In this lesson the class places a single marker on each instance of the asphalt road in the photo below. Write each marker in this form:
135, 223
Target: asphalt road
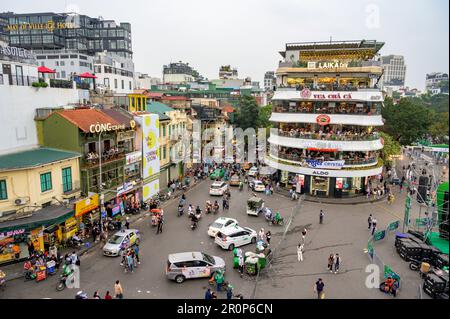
344, 231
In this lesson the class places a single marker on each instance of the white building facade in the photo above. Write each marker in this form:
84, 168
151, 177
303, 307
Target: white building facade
326, 115
114, 72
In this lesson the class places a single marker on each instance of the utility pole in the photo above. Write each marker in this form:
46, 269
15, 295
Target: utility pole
100, 185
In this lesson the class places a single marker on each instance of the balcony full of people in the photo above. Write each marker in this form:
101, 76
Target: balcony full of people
93, 158
328, 133
349, 108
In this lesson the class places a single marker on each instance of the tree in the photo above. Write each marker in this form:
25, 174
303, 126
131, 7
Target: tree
248, 112
439, 129
391, 147
264, 115
406, 121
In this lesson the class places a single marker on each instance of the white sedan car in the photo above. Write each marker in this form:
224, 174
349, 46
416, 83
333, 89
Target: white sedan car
253, 171
219, 224
235, 236
258, 186
218, 188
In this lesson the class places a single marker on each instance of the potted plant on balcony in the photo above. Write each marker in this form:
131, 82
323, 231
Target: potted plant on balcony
40, 84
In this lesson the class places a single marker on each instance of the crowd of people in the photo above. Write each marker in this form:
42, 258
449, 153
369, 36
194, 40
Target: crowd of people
106, 154
327, 133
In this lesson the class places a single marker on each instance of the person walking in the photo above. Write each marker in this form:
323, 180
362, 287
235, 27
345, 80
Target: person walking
261, 234
268, 236
241, 265
96, 296
230, 292
219, 280
374, 226
304, 232
319, 289
208, 294
160, 224
337, 263
300, 252
321, 214
369, 221
136, 253
127, 223
330, 262
118, 290
107, 296
130, 262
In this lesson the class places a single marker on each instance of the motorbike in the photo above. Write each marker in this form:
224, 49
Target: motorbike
73, 243
144, 205
180, 210
208, 209
114, 224
392, 291
62, 283
194, 224
216, 209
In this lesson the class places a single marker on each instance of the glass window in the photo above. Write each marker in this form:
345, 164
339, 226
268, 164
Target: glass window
123, 87
115, 83
46, 182
164, 152
63, 74
3, 190
164, 130
67, 179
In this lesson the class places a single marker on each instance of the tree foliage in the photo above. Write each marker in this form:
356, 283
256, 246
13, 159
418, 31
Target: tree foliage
391, 147
247, 114
264, 115
408, 120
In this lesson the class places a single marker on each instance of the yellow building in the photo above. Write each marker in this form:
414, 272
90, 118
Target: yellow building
35, 189
137, 101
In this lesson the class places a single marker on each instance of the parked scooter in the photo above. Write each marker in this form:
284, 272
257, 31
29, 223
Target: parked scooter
180, 210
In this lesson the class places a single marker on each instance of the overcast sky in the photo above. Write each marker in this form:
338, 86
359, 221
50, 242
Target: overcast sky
249, 33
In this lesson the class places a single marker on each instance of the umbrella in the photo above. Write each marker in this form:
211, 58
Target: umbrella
43, 69
87, 75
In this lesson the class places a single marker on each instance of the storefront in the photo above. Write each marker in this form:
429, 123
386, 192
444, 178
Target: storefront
129, 194
39, 230
86, 211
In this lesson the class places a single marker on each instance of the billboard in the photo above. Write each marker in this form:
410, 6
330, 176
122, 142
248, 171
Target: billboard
150, 155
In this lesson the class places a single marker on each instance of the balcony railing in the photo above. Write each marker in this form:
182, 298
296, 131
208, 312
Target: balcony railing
302, 160
62, 84
330, 137
92, 159
20, 80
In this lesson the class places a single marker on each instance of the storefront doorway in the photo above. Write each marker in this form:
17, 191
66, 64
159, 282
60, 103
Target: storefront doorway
319, 186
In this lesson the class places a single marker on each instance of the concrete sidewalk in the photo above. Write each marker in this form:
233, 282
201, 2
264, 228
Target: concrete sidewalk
15, 271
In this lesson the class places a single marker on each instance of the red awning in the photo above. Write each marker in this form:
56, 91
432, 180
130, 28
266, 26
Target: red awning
43, 69
87, 75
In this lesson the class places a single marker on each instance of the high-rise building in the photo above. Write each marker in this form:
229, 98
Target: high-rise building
394, 70
436, 82
52, 31
326, 110
71, 44
269, 81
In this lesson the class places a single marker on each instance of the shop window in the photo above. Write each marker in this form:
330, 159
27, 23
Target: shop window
46, 182
319, 186
3, 190
67, 179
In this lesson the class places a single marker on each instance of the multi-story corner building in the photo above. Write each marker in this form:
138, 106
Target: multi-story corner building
269, 81
326, 110
179, 72
394, 70
144, 81
226, 72
105, 138
436, 82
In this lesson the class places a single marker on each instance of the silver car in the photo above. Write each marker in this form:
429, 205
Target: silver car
182, 266
120, 241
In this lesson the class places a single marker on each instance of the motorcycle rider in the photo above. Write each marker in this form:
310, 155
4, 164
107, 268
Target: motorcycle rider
216, 207
278, 218
198, 210
180, 210
190, 210
208, 207
194, 220
241, 186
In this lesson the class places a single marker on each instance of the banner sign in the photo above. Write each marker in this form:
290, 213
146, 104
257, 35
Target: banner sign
379, 235
12, 233
393, 226
86, 205
133, 157
325, 164
150, 150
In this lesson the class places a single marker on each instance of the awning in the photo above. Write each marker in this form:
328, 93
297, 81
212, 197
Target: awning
44, 69
51, 215
87, 75
267, 170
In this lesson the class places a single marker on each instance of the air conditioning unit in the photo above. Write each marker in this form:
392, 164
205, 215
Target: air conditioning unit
20, 201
